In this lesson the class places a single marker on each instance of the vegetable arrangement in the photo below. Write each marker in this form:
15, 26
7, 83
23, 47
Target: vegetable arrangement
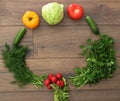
53, 14
100, 54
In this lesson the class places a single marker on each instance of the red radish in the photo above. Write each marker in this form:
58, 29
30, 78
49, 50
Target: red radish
47, 82
61, 83
50, 76
58, 83
54, 79
59, 75
49, 87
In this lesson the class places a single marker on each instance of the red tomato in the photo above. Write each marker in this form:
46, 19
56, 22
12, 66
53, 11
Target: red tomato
75, 11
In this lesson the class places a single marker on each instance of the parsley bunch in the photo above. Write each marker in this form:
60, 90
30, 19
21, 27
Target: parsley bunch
101, 61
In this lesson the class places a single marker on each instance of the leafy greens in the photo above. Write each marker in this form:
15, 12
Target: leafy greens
101, 61
14, 60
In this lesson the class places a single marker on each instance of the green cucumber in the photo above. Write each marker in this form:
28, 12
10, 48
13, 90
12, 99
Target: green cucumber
19, 36
92, 25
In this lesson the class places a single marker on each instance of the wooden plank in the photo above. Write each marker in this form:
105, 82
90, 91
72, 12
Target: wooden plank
59, 41
94, 95
53, 65
49, 65
65, 66
66, 43
7, 35
100, 95
50, 42
104, 12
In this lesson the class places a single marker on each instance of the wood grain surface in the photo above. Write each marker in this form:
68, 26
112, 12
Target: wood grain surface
56, 48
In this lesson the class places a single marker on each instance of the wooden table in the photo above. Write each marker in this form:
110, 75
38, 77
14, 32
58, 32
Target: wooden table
56, 48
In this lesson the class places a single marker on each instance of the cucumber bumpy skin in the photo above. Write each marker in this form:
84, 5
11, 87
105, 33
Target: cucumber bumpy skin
92, 25
19, 36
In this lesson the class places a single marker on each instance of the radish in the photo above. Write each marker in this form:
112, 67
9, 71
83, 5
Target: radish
59, 75
47, 82
54, 79
60, 83
49, 87
50, 76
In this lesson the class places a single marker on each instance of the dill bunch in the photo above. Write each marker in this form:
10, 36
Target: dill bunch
14, 61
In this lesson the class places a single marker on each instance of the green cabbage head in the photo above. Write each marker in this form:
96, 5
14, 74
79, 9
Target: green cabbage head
53, 13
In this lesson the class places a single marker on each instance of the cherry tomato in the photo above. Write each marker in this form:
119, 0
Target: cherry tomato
75, 11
